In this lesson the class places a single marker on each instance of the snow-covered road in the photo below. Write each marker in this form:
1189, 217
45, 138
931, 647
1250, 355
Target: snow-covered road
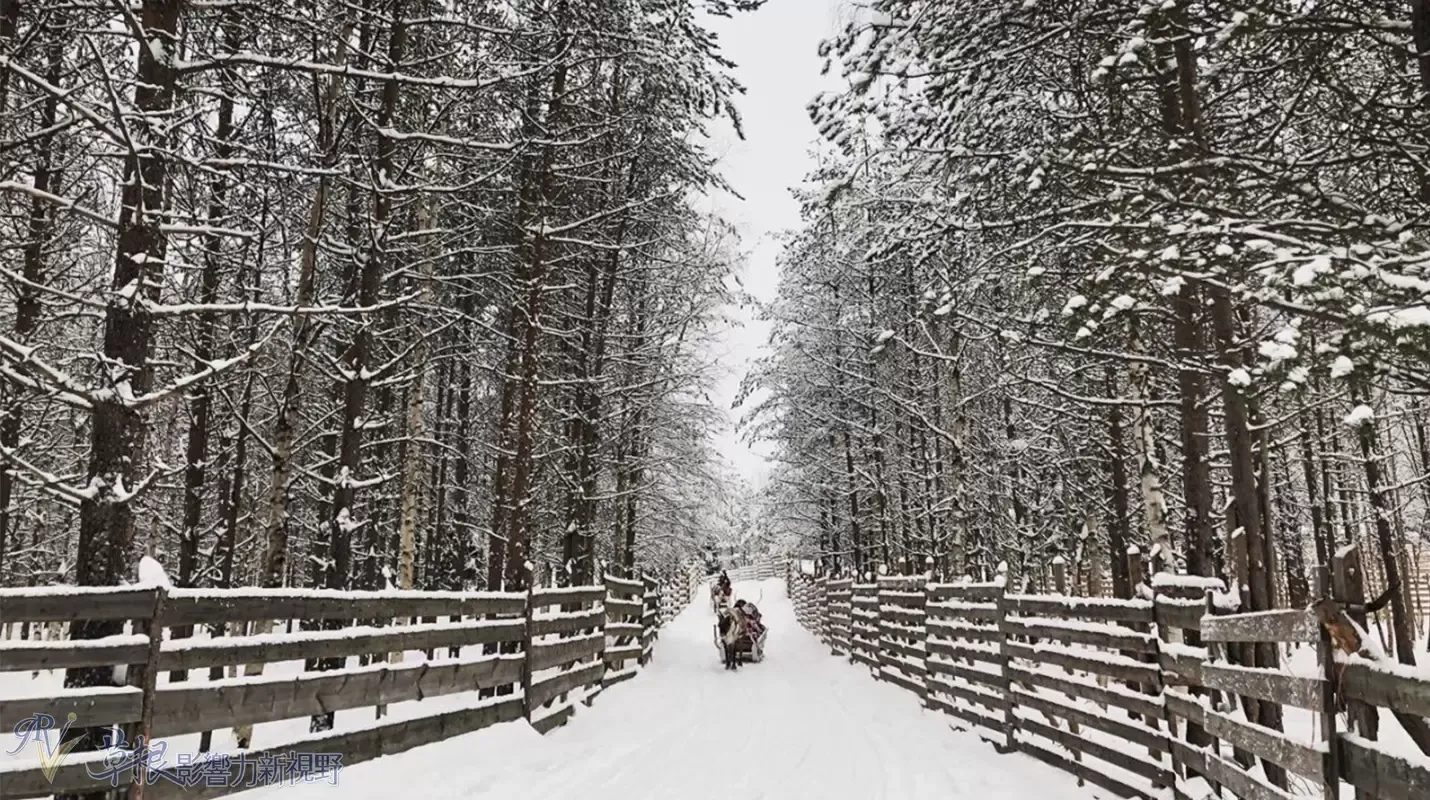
802, 724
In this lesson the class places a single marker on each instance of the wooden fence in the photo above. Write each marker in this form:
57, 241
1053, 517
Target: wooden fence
1114, 692
480, 658
757, 572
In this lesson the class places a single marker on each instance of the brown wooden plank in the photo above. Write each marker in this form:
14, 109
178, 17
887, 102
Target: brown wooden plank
1186, 615
862, 656
595, 618
1133, 641
903, 681
1384, 776
1263, 684
1078, 744
622, 652
1237, 780
553, 720
617, 609
611, 679
551, 688
91, 707
24, 656
1266, 744
1082, 771
952, 649
1090, 608
546, 656
978, 677
901, 581
180, 709
194, 606
986, 613
1141, 704
1360, 682
1293, 625
955, 631
1180, 670
1111, 665
71, 776
969, 715
571, 595
899, 615
1136, 734
623, 587
913, 667
618, 630
987, 699
1185, 706
976, 592
223, 651
902, 652
70, 603
900, 607
356, 747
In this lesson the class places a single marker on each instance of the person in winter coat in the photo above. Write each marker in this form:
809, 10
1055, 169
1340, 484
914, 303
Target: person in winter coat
751, 617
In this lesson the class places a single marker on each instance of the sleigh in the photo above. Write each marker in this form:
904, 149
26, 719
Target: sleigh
748, 648
719, 601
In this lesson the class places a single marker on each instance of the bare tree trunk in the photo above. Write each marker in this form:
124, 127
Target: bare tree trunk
1118, 529
513, 517
196, 451
46, 177
1246, 498
273, 568
412, 466
1154, 503
355, 358
115, 475
1380, 505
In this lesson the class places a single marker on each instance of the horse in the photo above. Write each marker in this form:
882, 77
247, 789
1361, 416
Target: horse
730, 629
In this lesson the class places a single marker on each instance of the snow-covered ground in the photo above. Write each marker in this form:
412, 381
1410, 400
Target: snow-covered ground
802, 724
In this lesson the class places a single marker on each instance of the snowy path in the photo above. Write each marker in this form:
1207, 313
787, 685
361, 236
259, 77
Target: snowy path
802, 724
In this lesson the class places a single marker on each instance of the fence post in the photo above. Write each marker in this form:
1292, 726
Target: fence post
821, 608
526, 645
1060, 585
1348, 589
647, 629
1010, 719
1136, 578
1325, 651
1168, 718
149, 687
928, 581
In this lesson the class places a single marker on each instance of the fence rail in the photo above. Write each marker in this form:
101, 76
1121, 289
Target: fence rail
1141, 695
492, 657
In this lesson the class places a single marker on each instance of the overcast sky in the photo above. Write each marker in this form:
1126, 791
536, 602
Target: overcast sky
776, 50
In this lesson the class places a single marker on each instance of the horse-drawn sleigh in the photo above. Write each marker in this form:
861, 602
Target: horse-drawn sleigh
740, 635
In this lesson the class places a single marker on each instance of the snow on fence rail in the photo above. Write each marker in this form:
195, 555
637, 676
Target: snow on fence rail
475, 659
1145, 695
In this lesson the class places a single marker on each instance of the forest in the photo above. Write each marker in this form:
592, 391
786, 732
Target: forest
354, 295
1078, 279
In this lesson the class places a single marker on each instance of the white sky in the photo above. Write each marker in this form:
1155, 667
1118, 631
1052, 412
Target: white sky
776, 50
